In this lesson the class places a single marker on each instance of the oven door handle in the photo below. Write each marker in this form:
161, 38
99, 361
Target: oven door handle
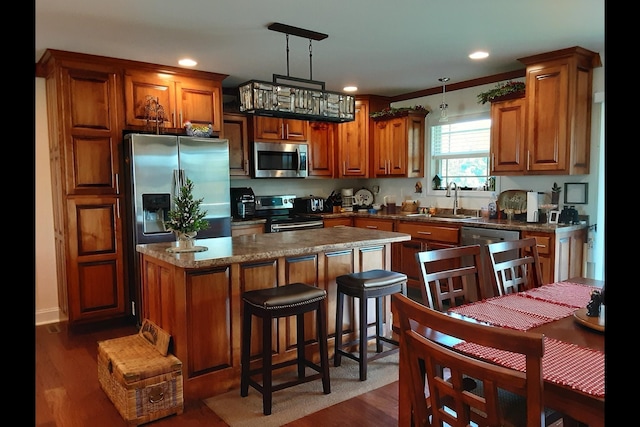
299, 226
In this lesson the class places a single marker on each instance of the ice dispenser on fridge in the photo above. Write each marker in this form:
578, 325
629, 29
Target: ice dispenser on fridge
156, 209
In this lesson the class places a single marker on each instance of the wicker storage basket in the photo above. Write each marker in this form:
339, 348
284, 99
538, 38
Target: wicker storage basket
143, 384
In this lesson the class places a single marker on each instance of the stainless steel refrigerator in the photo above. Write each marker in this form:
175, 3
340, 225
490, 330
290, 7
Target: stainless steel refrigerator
156, 166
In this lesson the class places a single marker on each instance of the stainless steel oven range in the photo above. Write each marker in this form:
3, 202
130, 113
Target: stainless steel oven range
278, 211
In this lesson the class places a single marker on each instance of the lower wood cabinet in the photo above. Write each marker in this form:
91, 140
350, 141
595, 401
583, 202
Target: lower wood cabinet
374, 223
423, 237
560, 253
244, 229
338, 222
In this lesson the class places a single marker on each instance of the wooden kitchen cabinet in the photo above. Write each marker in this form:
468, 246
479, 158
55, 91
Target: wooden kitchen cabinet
276, 129
398, 146
560, 253
508, 154
236, 130
322, 136
373, 223
559, 99
240, 229
423, 237
338, 222
183, 98
85, 140
354, 138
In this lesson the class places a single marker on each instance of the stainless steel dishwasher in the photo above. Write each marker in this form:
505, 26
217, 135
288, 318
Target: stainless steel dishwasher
483, 237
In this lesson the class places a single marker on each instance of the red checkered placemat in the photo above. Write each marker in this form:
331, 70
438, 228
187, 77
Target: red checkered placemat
534, 307
486, 311
563, 363
564, 293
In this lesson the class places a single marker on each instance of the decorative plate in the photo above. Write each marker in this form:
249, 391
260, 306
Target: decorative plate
363, 197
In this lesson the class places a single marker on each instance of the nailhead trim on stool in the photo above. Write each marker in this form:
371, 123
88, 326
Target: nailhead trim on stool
364, 285
294, 299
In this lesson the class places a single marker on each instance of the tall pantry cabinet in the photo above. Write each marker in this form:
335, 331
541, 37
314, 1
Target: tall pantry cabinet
85, 136
87, 115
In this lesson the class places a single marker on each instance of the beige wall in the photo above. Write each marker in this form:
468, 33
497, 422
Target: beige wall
46, 294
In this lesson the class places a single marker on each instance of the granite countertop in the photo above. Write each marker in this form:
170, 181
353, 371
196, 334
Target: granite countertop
498, 224
230, 250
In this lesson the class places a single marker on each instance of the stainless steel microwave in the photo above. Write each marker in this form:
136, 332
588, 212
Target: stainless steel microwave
280, 160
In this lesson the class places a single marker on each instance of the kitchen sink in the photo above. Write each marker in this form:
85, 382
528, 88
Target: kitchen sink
446, 217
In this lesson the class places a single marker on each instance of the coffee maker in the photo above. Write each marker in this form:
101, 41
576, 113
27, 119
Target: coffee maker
243, 203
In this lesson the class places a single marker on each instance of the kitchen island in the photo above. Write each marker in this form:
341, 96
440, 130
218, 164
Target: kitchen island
196, 296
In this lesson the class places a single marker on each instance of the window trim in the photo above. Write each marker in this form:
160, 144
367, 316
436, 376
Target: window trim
431, 163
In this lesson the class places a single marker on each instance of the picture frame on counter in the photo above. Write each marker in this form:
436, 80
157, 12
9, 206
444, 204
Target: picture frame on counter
575, 193
553, 217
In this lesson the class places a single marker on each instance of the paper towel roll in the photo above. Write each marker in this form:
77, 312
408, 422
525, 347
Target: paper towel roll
532, 206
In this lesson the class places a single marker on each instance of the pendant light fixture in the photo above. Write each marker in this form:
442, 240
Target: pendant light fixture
444, 106
306, 99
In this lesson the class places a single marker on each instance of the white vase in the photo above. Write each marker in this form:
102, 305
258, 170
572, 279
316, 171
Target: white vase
186, 240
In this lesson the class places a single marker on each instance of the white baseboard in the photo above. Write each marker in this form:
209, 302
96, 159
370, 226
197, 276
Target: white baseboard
52, 315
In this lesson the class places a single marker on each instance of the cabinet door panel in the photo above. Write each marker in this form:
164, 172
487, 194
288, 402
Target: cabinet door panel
92, 170
199, 103
210, 347
96, 281
353, 144
140, 89
236, 130
321, 149
91, 95
507, 136
547, 118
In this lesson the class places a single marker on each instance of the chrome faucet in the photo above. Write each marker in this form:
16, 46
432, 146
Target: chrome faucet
455, 195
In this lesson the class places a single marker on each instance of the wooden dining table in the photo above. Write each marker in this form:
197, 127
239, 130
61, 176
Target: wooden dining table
582, 406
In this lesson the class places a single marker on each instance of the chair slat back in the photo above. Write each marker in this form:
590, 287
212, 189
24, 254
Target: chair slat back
448, 400
451, 276
515, 264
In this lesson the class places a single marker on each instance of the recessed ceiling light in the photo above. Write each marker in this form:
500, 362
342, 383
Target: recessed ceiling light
186, 62
479, 55
350, 88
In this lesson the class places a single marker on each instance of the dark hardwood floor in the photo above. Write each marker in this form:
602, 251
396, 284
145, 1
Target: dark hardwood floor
68, 394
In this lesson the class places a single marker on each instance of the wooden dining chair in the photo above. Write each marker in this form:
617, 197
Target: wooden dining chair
515, 264
451, 276
504, 396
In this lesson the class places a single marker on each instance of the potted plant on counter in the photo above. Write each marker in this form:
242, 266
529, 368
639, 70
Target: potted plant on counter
186, 218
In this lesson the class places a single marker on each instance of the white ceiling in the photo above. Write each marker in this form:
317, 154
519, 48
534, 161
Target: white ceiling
384, 47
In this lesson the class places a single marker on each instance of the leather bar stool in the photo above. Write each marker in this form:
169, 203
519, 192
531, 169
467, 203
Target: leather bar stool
289, 300
364, 285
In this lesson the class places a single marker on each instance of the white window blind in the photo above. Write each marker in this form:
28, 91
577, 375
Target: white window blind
460, 152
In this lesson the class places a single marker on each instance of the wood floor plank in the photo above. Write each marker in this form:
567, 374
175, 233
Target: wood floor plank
68, 393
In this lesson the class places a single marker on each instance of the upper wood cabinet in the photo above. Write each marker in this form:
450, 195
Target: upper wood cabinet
398, 146
322, 136
559, 99
182, 98
236, 130
276, 129
354, 138
508, 154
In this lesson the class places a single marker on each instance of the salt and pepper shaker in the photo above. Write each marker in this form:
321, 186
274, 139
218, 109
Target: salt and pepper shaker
593, 307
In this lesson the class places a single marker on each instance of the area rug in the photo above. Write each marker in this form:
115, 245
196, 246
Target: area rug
304, 399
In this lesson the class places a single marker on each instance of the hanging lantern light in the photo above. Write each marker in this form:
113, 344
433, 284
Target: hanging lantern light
444, 106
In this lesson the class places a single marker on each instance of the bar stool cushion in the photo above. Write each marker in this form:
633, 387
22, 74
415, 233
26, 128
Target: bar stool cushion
291, 295
371, 279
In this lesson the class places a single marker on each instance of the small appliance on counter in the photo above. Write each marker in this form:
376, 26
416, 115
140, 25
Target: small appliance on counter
311, 204
569, 215
534, 200
243, 203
